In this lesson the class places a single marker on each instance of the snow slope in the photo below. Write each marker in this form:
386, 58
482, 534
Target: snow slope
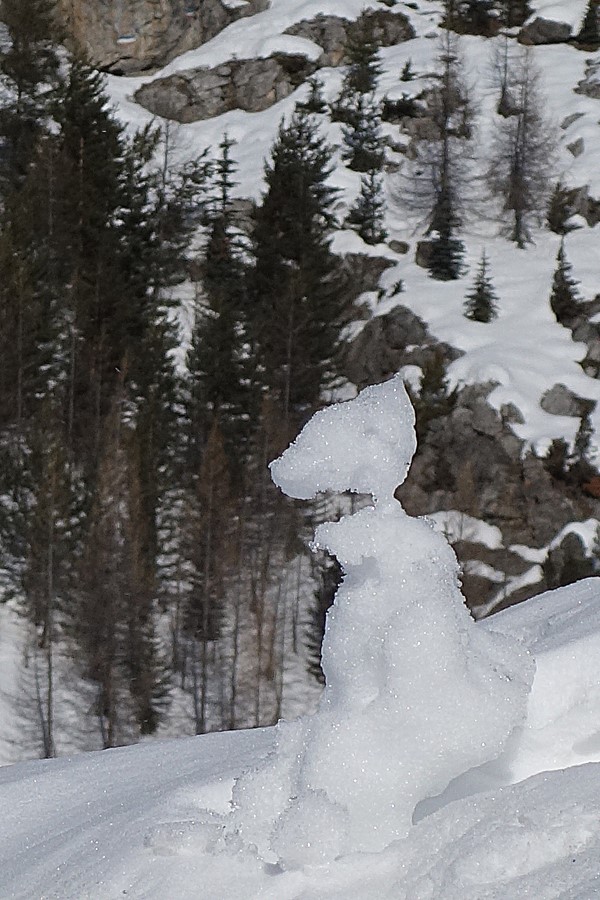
524, 351
129, 822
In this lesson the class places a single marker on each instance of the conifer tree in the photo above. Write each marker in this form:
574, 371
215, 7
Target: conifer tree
438, 172
435, 398
221, 370
29, 70
481, 301
114, 617
50, 560
589, 33
363, 146
366, 216
564, 298
90, 149
557, 459
559, 210
513, 13
315, 102
363, 71
211, 553
362, 52
297, 295
581, 468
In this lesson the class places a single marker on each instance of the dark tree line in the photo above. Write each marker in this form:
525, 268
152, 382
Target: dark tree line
139, 529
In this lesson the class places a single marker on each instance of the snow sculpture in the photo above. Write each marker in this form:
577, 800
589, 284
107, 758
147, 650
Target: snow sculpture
416, 692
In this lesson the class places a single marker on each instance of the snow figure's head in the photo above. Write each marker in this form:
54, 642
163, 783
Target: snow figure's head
364, 445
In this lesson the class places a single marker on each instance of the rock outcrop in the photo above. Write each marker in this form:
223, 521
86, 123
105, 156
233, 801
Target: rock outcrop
331, 32
545, 31
386, 343
122, 36
256, 84
248, 84
470, 460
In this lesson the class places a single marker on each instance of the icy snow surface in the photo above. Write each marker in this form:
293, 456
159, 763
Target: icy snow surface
126, 823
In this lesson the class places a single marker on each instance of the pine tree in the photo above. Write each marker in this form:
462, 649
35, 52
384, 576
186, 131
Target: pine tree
567, 563
297, 295
446, 253
221, 370
50, 558
481, 301
211, 553
362, 73
559, 210
513, 13
557, 459
581, 468
363, 146
366, 215
589, 33
315, 102
470, 16
29, 70
435, 398
407, 73
439, 173
564, 298
114, 619
89, 167
362, 53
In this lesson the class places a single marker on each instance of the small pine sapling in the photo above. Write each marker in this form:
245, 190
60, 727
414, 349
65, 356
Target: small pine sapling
366, 215
363, 146
315, 102
362, 74
559, 210
407, 73
565, 298
481, 301
435, 398
589, 34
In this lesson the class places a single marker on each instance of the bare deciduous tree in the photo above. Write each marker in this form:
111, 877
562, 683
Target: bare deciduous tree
522, 151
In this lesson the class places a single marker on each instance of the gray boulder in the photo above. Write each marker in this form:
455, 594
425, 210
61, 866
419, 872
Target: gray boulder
544, 31
248, 84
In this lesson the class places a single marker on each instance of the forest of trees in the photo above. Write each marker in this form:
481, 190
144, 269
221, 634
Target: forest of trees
140, 535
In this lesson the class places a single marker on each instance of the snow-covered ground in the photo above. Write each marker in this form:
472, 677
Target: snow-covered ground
132, 822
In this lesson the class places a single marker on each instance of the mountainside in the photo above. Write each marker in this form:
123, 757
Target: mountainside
531, 379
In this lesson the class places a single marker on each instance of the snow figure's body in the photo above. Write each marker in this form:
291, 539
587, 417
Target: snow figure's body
415, 693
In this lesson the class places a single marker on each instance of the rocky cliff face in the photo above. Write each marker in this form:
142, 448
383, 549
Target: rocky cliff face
256, 84
470, 461
127, 36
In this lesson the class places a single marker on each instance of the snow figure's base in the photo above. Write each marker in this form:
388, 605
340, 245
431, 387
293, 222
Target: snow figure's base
416, 693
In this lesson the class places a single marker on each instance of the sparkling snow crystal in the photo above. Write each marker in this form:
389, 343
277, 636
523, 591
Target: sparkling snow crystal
416, 692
